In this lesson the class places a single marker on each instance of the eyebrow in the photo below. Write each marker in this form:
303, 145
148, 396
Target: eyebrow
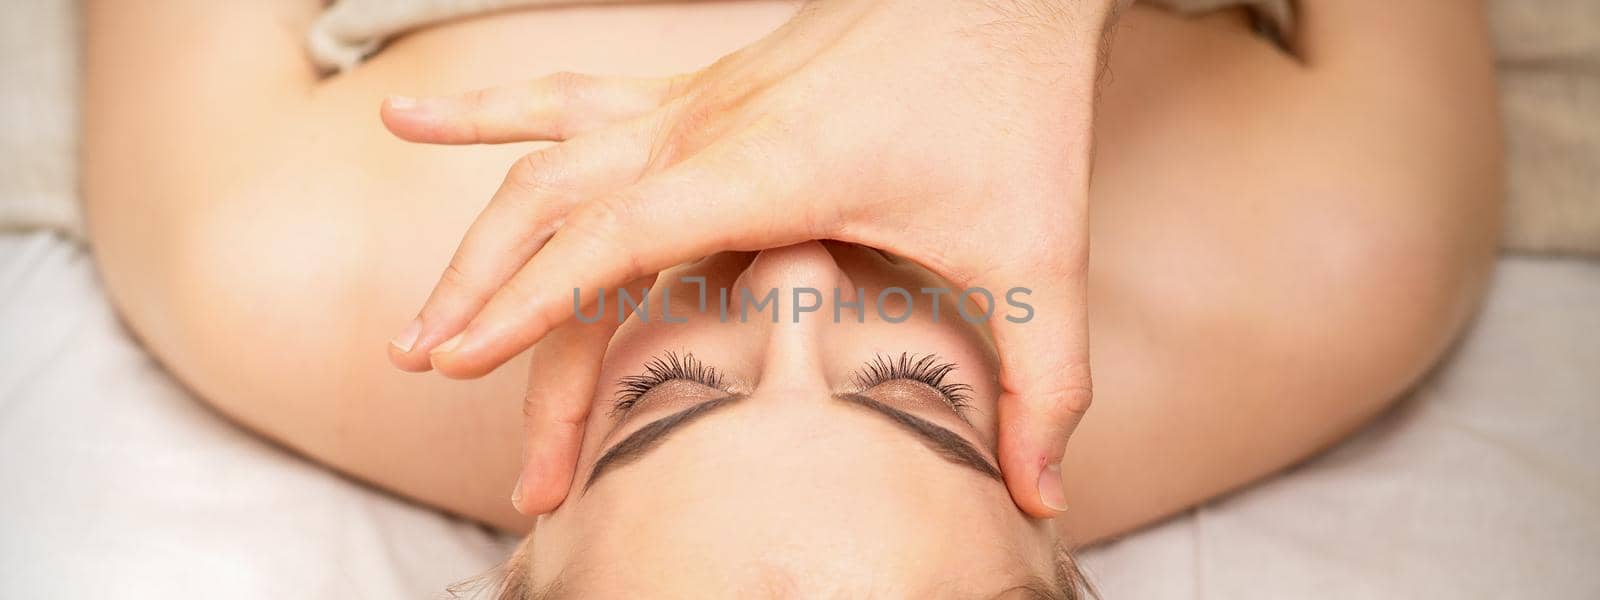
940, 440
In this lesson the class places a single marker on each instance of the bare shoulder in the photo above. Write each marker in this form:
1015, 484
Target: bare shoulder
1284, 240
263, 234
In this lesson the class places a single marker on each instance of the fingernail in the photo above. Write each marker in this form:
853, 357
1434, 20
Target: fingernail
1051, 491
408, 336
449, 345
402, 102
516, 494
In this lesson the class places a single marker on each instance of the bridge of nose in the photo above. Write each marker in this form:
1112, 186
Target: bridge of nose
792, 367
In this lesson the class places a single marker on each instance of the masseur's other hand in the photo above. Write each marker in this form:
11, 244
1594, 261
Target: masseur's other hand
952, 133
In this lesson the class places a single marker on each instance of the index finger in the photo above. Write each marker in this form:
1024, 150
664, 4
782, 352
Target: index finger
714, 201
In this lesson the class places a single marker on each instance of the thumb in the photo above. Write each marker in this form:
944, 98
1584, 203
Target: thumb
1045, 381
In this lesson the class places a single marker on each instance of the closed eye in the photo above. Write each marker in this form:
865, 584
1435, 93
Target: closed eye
669, 366
926, 369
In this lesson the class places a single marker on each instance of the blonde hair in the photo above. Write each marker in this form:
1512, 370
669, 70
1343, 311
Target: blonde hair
512, 580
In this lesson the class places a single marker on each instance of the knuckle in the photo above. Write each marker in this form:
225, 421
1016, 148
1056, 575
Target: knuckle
698, 119
480, 99
455, 276
567, 415
476, 105
540, 173
601, 219
568, 104
690, 128
566, 87
604, 225
546, 405
1060, 389
1064, 404
458, 280
567, 93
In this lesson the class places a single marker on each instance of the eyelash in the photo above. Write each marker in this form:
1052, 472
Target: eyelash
659, 370
926, 369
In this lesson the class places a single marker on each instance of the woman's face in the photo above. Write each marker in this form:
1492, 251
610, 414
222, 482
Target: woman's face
813, 458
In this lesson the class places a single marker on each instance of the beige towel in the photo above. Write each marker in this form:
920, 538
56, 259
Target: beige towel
39, 116
1549, 57
350, 30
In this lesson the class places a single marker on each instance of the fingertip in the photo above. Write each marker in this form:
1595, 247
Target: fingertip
1030, 458
538, 501
547, 476
402, 350
400, 103
454, 366
394, 110
407, 338
1030, 484
517, 495
533, 495
462, 357
410, 362
497, 334
408, 119
1052, 491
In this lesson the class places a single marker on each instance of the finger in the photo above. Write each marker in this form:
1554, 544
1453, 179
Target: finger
538, 192
561, 385
556, 107
1045, 380
730, 197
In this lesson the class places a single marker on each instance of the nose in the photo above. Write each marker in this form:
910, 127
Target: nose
806, 270
799, 285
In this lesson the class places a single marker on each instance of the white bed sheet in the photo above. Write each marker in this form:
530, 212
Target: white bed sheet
114, 482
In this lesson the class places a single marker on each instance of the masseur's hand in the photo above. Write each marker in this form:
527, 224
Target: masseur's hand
953, 133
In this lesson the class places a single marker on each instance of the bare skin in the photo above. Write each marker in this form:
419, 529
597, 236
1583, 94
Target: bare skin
1282, 243
894, 124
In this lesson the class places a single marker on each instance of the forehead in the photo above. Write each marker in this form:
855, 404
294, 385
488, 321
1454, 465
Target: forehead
819, 502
